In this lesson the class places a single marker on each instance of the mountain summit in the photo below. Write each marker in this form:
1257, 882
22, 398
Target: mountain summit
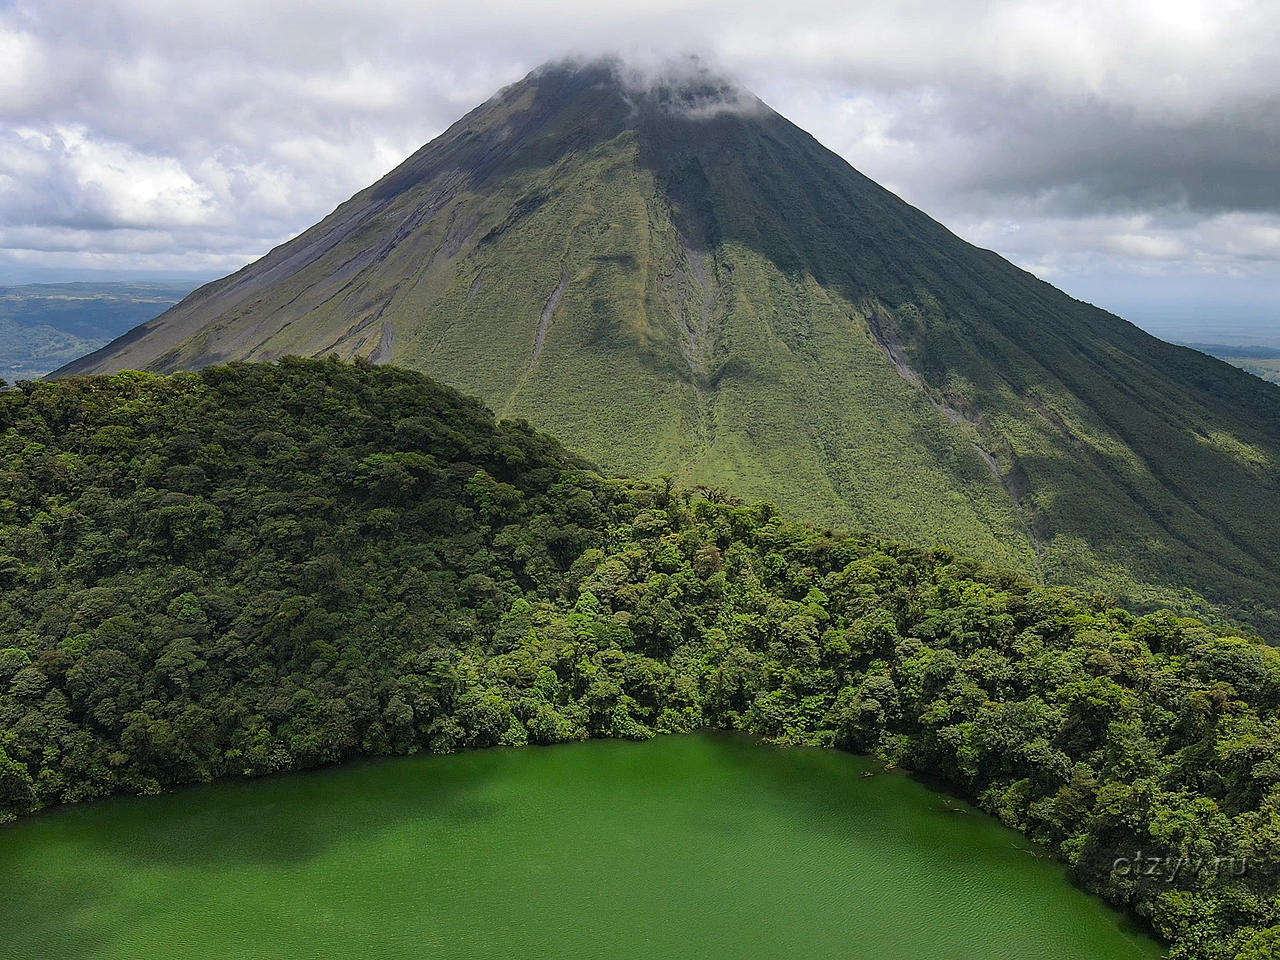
672, 277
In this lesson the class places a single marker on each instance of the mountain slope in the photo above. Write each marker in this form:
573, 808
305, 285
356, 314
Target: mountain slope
674, 278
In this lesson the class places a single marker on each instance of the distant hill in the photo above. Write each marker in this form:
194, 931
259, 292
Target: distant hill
44, 325
675, 279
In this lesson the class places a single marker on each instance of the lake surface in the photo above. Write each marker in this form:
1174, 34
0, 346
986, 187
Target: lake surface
703, 846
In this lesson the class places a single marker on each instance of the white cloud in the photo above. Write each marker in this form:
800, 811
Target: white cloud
1144, 246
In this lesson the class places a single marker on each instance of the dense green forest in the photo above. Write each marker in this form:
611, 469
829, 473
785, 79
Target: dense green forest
260, 568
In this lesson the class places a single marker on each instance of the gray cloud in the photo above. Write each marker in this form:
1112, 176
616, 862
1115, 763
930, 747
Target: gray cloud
1079, 158
1089, 143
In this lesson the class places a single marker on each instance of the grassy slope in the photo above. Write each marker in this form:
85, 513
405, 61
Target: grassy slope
724, 293
810, 414
1139, 465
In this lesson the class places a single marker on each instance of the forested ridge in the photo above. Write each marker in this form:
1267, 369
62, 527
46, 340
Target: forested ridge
259, 568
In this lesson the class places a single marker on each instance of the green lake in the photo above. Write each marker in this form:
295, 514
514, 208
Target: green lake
703, 846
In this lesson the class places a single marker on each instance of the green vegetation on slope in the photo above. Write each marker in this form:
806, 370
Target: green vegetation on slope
676, 283
261, 568
45, 325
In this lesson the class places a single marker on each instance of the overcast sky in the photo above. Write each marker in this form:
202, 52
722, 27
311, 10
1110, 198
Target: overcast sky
1127, 151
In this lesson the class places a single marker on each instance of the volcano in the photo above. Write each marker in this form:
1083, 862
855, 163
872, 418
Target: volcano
674, 279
